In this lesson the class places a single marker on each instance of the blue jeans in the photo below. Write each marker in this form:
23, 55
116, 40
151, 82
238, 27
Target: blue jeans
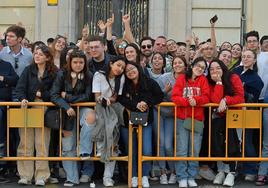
146, 148
166, 138
250, 151
69, 150
263, 168
184, 169
86, 145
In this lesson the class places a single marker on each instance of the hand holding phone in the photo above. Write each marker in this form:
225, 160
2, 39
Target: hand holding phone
213, 19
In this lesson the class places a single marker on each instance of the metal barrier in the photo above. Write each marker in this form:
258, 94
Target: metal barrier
27, 118
237, 116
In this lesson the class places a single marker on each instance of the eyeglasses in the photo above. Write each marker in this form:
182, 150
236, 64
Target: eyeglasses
16, 62
148, 46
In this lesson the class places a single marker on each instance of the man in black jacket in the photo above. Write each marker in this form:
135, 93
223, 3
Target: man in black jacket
8, 79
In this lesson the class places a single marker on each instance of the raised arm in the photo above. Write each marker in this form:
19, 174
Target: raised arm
128, 35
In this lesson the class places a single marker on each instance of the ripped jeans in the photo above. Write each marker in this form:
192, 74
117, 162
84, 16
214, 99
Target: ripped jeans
69, 150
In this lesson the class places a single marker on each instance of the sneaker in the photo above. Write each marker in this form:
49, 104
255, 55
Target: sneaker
53, 180
192, 183
172, 179
145, 181
183, 183
24, 181
84, 156
229, 180
85, 178
207, 174
134, 182
163, 179
68, 184
261, 180
40, 182
108, 182
250, 177
220, 177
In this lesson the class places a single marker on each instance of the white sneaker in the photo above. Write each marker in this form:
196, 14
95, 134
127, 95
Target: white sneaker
207, 174
134, 182
85, 178
172, 179
183, 183
108, 182
192, 183
40, 182
220, 177
229, 180
145, 181
163, 179
250, 177
24, 181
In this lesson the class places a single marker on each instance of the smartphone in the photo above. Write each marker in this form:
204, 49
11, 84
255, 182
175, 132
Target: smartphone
214, 19
104, 102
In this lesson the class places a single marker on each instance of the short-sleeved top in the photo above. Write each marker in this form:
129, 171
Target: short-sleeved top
100, 85
24, 58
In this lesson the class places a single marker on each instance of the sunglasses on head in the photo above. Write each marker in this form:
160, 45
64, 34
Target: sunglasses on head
148, 46
122, 45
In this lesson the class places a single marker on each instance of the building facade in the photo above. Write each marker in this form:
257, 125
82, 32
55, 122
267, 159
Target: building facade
173, 18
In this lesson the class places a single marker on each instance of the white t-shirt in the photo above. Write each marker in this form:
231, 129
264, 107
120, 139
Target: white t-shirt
100, 85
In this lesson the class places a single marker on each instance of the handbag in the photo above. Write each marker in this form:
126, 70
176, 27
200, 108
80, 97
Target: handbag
198, 125
138, 118
52, 118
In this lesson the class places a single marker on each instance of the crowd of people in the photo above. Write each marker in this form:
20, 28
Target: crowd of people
122, 76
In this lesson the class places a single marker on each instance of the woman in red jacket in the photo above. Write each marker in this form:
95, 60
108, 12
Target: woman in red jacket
190, 90
225, 89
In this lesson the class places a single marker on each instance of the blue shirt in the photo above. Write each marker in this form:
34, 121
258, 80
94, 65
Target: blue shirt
23, 58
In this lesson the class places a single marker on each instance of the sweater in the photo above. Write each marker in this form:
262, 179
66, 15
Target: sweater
198, 89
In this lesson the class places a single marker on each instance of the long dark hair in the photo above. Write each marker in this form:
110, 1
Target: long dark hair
141, 80
226, 77
64, 53
133, 45
77, 54
189, 71
107, 71
164, 60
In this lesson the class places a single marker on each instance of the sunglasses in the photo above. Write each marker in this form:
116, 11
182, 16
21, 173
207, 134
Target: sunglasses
148, 46
16, 62
122, 45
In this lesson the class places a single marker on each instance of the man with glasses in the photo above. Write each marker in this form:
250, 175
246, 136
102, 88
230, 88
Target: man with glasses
97, 51
252, 41
146, 45
19, 57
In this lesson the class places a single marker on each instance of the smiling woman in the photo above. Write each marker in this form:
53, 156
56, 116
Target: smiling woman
34, 85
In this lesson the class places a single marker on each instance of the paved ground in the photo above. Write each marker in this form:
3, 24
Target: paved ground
202, 184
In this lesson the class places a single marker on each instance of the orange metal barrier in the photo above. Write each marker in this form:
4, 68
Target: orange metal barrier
237, 116
26, 118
